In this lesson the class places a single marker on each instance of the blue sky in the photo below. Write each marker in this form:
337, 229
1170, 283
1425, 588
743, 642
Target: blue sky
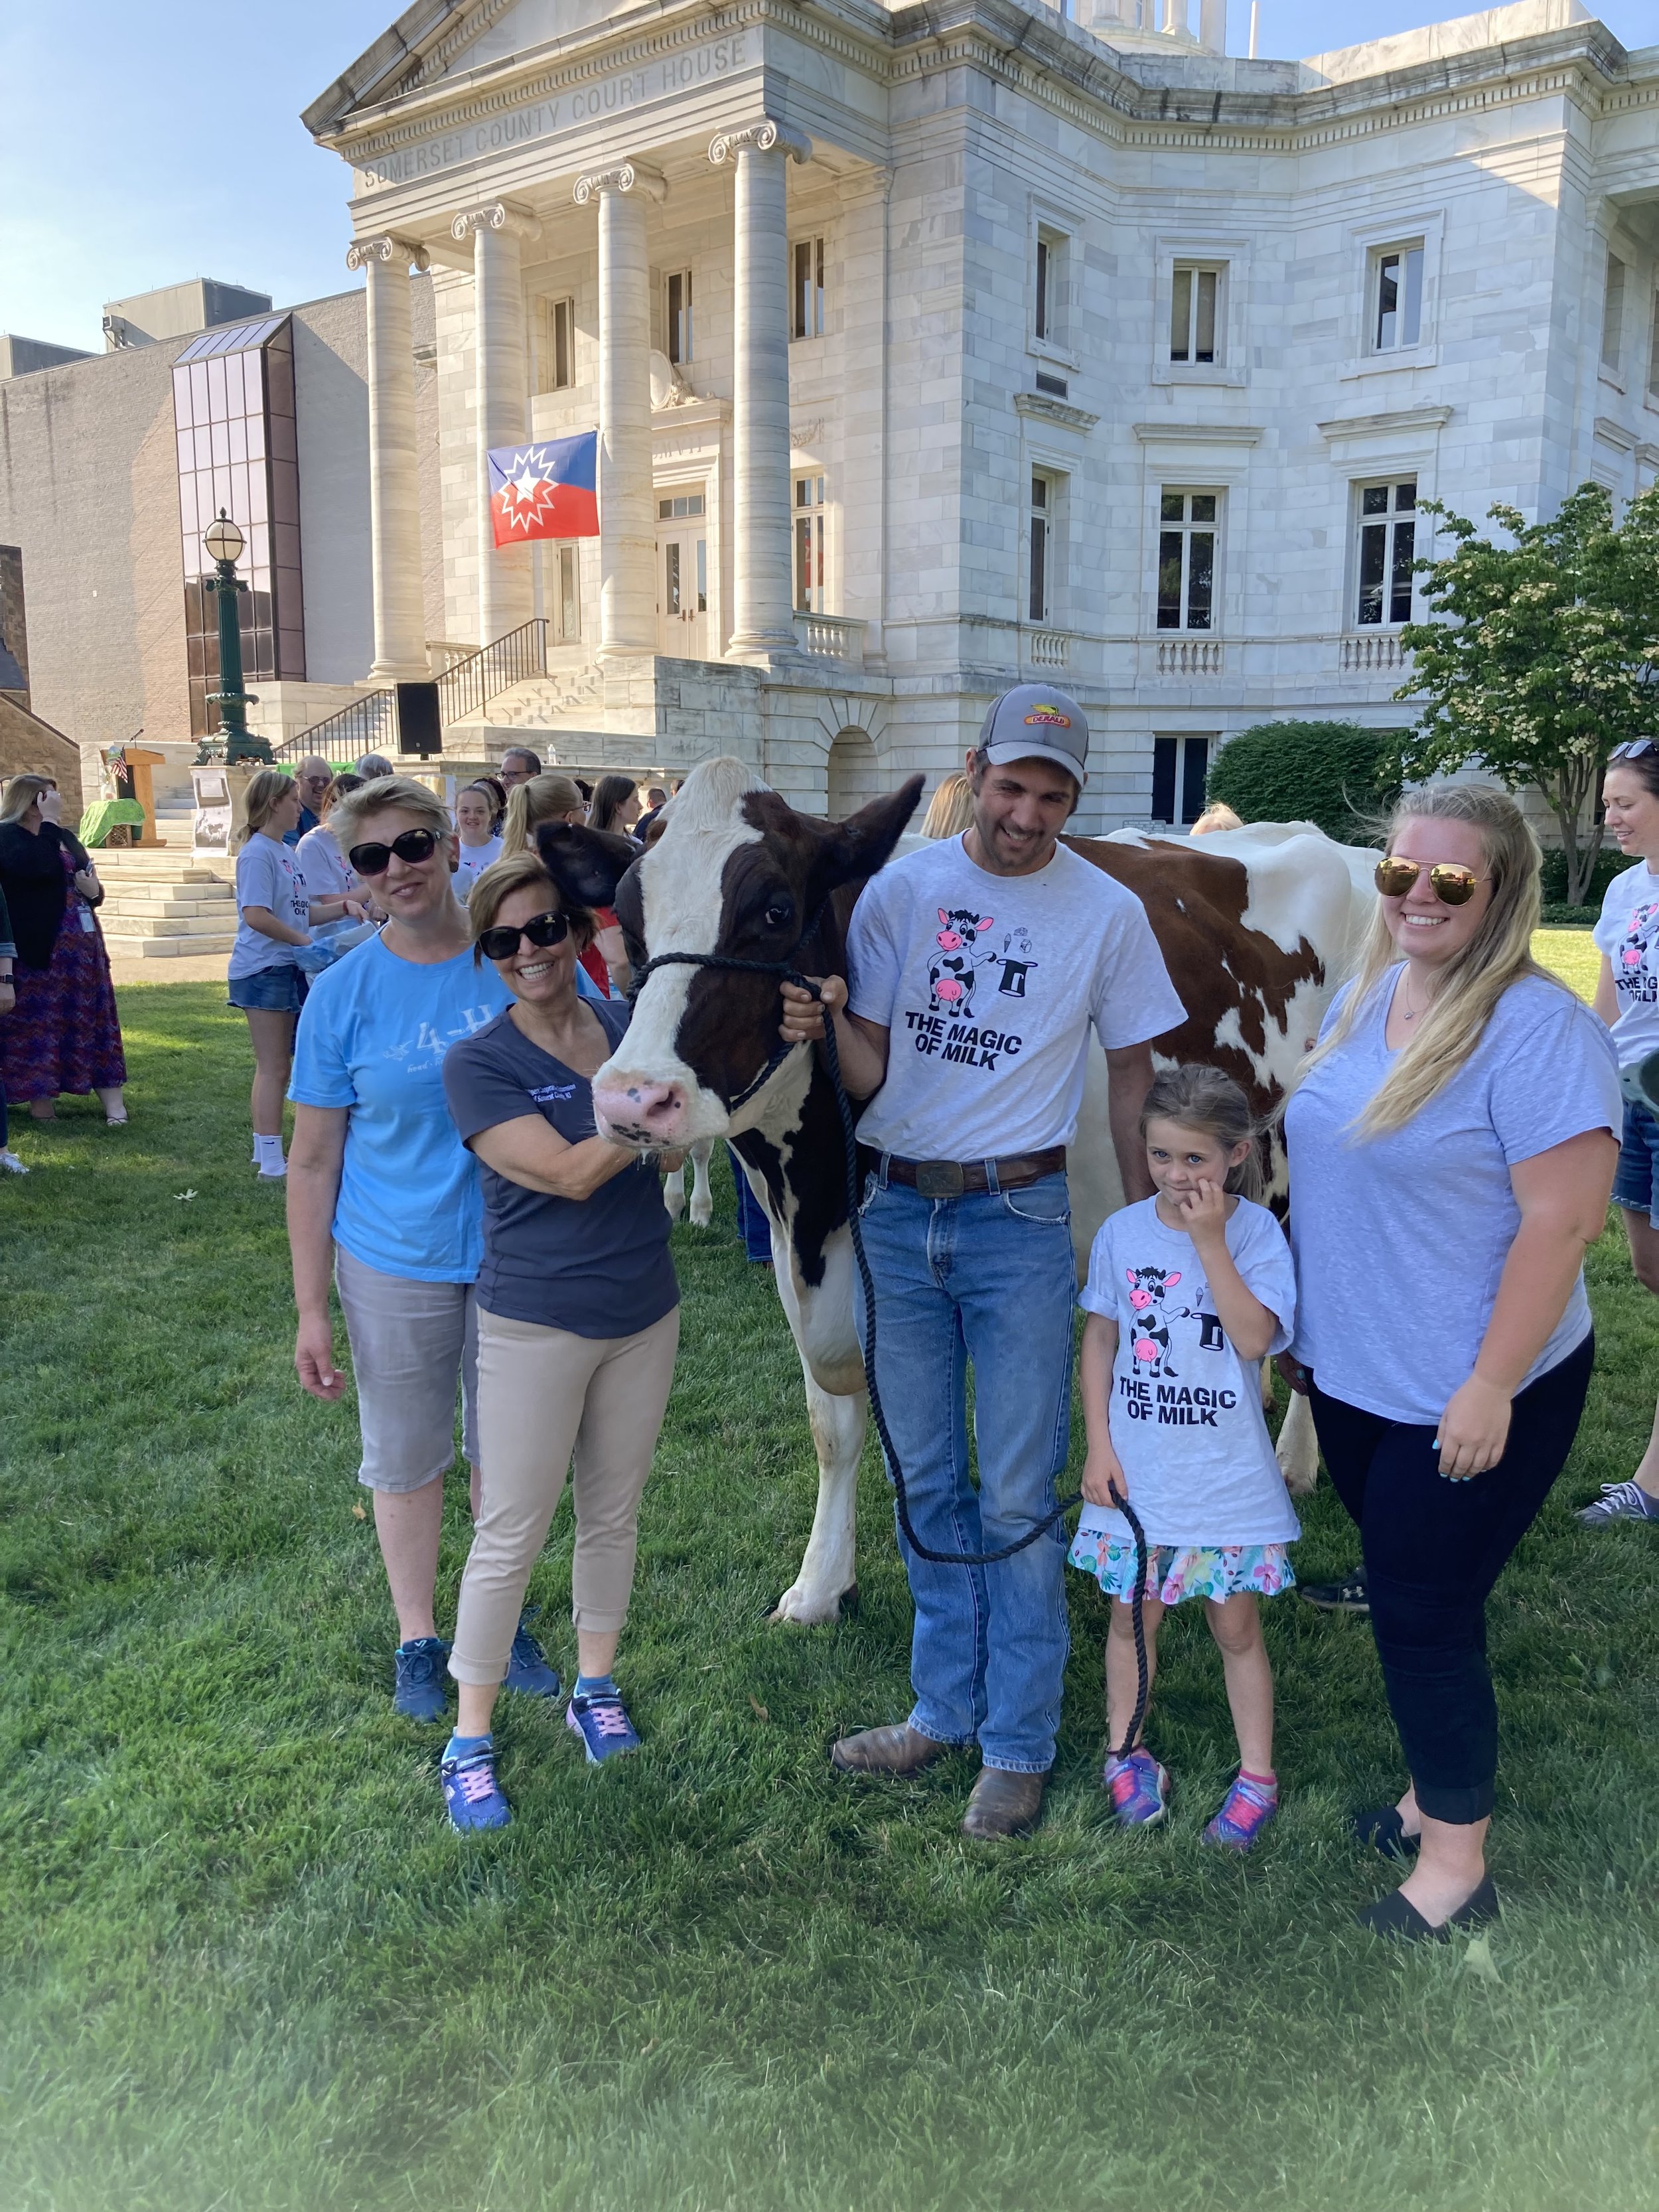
149, 143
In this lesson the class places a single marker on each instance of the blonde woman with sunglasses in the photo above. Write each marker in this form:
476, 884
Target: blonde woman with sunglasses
1452, 1141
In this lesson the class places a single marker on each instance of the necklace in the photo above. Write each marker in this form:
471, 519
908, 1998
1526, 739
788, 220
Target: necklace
1409, 1012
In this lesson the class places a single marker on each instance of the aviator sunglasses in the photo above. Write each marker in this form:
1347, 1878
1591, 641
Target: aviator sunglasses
1633, 749
1451, 884
542, 929
412, 845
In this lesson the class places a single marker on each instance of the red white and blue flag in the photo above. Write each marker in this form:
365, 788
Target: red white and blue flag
545, 490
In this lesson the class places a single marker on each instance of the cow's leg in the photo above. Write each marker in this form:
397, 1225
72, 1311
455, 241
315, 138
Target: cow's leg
828, 1569
673, 1191
703, 1190
1298, 1448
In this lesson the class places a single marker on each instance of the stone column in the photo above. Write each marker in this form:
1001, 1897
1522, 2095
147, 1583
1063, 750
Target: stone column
505, 574
627, 535
394, 491
763, 593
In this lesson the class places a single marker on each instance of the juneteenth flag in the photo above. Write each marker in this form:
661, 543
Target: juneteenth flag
545, 490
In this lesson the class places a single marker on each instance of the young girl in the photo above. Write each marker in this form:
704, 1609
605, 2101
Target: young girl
1186, 1291
480, 843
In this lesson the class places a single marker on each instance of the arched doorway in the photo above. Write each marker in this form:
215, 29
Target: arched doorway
854, 774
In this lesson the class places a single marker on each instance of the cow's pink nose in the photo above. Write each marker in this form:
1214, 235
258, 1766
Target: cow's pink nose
641, 1112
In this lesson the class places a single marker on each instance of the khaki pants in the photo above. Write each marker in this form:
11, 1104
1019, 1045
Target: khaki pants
543, 1393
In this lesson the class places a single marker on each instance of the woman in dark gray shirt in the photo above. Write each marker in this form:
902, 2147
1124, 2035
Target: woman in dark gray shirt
578, 1321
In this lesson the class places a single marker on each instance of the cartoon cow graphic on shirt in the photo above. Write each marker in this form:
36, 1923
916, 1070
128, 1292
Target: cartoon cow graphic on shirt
1150, 1342
952, 966
1635, 974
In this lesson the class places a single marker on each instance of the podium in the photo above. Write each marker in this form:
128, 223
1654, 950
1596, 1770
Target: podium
133, 770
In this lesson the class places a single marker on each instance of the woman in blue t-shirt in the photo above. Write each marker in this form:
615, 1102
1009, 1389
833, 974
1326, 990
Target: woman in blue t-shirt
578, 1321
1452, 1143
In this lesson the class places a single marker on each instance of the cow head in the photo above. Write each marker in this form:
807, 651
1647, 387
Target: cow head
738, 871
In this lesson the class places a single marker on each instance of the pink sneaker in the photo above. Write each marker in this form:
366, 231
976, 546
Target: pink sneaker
1245, 1812
1139, 1790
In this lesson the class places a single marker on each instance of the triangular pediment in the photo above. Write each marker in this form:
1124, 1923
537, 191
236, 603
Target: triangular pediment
439, 38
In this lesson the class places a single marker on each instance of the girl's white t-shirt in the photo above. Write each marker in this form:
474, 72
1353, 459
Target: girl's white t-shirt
1186, 1411
1628, 933
474, 859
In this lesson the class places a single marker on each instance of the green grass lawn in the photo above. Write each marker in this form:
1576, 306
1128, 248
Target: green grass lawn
247, 1965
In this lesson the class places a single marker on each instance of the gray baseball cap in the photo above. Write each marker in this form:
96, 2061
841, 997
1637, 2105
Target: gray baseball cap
1036, 722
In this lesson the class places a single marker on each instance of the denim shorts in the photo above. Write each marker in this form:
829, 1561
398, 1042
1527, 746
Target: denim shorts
1637, 1183
269, 990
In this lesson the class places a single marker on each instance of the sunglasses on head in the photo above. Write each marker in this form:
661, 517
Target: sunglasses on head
1633, 749
412, 845
542, 929
1451, 884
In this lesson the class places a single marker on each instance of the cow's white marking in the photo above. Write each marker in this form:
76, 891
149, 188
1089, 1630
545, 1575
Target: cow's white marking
703, 1191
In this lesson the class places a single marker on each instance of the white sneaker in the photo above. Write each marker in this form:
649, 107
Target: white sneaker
272, 1175
11, 1164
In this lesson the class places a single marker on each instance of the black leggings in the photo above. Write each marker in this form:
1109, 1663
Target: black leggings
1433, 1550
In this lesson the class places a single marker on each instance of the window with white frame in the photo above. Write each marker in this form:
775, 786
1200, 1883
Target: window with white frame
566, 593
676, 317
807, 288
557, 346
1387, 548
1195, 313
1396, 293
1612, 316
1180, 767
1048, 288
811, 546
1187, 523
1043, 525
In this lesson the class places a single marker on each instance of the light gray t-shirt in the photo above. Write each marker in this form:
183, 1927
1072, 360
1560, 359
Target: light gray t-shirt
1186, 1412
989, 985
1628, 933
267, 874
1400, 1240
322, 863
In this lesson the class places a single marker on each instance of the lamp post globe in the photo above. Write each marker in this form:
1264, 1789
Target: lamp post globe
224, 544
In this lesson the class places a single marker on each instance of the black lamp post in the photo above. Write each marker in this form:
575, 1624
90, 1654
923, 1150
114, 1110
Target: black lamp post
225, 543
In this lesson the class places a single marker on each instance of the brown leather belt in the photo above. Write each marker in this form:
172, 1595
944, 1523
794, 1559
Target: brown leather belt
955, 1178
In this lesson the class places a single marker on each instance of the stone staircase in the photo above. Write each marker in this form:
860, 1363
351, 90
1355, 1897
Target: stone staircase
166, 904
565, 698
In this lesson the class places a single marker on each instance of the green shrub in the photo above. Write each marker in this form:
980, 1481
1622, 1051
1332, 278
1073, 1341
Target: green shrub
1609, 863
1331, 773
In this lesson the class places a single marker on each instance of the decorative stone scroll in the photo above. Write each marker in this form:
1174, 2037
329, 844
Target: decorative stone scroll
759, 137
400, 252
494, 215
621, 177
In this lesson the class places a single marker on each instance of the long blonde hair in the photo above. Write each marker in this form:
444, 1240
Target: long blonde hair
1474, 980
952, 808
547, 798
21, 792
265, 792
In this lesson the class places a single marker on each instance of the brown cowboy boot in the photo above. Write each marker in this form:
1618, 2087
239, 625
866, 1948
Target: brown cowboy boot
901, 1750
1004, 1804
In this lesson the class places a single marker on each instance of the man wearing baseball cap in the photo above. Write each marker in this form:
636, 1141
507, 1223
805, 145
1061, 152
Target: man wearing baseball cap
976, 970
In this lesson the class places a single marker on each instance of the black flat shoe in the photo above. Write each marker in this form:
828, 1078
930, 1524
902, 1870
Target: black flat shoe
1397, 1916
1349, 1595
1380, 1829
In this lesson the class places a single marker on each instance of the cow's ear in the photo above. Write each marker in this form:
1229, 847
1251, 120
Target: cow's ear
943, 916
1129, 1277
587, 864
851, 851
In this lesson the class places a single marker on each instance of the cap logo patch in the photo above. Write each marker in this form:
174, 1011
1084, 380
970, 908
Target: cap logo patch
1051, 715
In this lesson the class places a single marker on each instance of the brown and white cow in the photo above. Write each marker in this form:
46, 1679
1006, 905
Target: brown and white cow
1257, 927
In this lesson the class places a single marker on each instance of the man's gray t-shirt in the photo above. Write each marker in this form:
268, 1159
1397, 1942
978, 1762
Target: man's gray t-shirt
988, 986
597, 1267
1400, 1240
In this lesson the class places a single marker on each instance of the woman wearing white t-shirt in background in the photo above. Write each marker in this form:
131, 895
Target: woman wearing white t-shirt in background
479, 845
1627, 999
1452, 1142
274, 914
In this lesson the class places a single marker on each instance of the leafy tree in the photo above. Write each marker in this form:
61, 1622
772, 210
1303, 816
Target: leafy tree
1335, 774
1544, 654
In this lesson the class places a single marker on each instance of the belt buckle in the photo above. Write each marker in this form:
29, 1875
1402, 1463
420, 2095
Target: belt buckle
940, 1179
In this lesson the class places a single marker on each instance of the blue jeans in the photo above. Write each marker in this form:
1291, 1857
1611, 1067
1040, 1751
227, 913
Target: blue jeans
987, 1277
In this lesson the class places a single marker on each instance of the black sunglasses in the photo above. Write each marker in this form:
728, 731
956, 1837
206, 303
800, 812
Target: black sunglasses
1633, 749
411, 845
543, 929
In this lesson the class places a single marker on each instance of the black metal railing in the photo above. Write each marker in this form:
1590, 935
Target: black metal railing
369, 725
472, 682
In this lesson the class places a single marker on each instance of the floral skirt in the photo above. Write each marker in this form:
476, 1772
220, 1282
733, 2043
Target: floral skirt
63, 1034
1175, 1571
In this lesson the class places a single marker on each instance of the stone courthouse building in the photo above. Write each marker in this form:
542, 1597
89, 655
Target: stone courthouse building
932, 347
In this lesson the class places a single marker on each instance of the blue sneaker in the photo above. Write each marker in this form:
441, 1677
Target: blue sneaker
421, 1692
1620, 1501
1139, 1788
527, 1668
472, 1793
603, 1724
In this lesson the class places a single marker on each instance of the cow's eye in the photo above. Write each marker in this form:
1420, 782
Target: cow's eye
779, 914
